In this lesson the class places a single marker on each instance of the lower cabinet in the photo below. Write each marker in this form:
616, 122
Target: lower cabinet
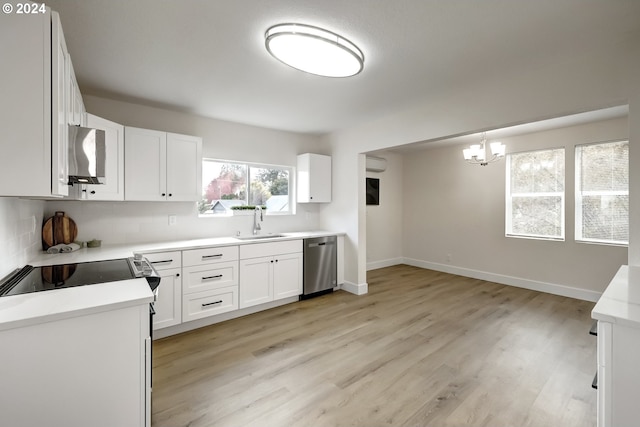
168, 304
91, 370
198, 283
618, 374
209, 303
210, 283
268, 278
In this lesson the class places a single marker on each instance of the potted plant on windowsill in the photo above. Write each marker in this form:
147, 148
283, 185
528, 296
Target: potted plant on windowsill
245, 210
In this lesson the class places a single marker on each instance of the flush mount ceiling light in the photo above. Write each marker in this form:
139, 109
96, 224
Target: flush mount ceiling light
314, 50
477, 154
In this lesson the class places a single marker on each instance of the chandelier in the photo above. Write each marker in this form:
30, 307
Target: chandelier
477, 153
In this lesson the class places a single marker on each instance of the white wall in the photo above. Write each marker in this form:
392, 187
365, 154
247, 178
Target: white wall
603, 78
20, 232
384, 221
454, 218
125, 222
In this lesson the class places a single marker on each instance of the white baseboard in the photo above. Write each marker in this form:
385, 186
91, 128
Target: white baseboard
550, 288
384, 263
357, 289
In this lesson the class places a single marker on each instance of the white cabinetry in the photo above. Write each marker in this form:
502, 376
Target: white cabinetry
90, 370
270, 271
113, 188
210, 284
618, 315
314, 178
168, 306
33, 112
162, 166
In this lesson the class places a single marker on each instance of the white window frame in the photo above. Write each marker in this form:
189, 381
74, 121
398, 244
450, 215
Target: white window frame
509, 205
249, 165
579, 194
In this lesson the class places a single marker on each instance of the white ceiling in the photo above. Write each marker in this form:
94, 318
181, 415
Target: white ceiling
208, 57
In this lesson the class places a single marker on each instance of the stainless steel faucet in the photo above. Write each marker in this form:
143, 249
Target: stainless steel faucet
256, 224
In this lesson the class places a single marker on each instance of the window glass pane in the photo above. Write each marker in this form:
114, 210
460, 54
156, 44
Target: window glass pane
270, 188
535, 194
605, 166
537, 216
605, 218
228, 184
537, 171
602, 192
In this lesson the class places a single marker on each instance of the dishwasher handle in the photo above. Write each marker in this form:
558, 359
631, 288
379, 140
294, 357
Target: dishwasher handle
315, 245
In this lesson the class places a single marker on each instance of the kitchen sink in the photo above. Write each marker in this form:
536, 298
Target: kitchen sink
260, 237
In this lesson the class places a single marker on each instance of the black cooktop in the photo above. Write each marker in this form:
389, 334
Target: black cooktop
35, 279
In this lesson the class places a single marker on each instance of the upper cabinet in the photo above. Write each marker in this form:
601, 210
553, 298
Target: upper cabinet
113, 188
36, 106
162, 166
314, 178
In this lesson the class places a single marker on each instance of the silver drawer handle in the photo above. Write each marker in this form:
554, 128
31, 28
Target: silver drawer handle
162, 262
211, 303
211, 256
217, 276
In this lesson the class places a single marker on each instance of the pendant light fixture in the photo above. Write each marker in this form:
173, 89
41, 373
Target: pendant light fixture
477, 153
314, 50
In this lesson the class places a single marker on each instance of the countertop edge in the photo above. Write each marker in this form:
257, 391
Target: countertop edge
23, 310
620, 302
126, 250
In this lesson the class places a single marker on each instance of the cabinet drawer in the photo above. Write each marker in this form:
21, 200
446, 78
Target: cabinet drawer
210, 255
209, 303
165, 260
207, 277
256, 250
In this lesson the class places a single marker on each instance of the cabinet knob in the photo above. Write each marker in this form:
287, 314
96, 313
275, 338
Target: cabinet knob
271, 261
93, 191
170, 194
164, 194
177, 274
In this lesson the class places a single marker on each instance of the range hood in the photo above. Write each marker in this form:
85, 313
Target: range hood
87, 155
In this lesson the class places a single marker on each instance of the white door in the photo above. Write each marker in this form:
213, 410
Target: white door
255, 281
145, 156
113, 189
168, 306
287, 276
184, 168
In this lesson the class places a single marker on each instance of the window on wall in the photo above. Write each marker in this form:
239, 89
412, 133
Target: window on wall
535, 194
602, 192
228, 184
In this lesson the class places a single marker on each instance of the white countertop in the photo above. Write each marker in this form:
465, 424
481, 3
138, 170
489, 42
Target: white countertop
38, 307
122, 251
47, 306
620, 302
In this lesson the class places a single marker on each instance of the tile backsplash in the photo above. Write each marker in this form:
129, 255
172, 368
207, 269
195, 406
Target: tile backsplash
20, 232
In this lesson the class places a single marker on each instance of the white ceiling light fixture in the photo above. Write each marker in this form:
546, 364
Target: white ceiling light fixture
314, 50
477, 154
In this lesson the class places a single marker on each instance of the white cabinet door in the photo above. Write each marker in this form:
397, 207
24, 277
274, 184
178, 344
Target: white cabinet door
145, 157
255, 281
76, 104
168, 306
60, 85
184, 168
113, 189
314, 178
287, 276
161, 166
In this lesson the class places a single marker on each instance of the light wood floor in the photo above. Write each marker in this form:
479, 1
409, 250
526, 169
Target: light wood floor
423, 348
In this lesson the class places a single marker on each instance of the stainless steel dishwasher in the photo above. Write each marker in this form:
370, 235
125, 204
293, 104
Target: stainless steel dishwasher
320, 266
